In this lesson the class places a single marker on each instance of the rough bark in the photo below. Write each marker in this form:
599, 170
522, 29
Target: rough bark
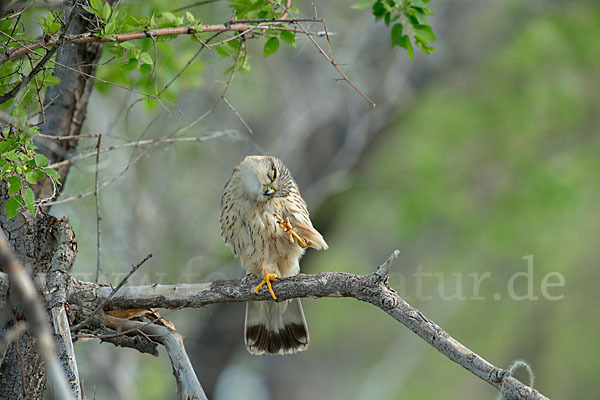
66, 103
32, 240
60, 268
24, 296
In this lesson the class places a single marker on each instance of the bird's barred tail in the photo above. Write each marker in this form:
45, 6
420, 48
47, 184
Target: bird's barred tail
275, 328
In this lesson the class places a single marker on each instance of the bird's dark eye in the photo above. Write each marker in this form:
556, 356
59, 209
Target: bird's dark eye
272, 174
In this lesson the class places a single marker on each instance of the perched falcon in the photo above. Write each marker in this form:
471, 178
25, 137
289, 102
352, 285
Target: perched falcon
266, 223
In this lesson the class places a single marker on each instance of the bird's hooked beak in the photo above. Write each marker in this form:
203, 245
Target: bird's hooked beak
269, 191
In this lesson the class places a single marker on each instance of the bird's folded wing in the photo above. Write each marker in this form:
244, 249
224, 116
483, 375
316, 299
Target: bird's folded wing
304, 228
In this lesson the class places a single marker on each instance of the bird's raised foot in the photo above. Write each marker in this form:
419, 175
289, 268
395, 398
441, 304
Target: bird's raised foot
287, 227
267, 280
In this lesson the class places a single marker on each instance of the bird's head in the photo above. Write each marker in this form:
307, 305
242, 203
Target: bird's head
263, 178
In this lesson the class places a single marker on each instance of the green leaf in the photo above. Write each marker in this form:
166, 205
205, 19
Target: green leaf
127, 45
96, 6
425, 33
235, 43
246, 67
190, 17
387, 18
145, 68
11, 155
12, 207
418, 3
131, 65
30, 200
363, 4
420, 17
39, 174
405, 43
110, 28
52, 172
223, 50
106, 11
20, 114
41, 160
271, 46
378, 10
396, 34
169, 16
288, 37
145, 58
293, 10
51, 80
30, 177
15, 184
88, 9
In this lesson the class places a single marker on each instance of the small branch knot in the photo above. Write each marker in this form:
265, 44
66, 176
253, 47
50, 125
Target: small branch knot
499, 374
389, 302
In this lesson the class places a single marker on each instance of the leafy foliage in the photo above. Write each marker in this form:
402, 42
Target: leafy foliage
412, 22
133, 63
21, 166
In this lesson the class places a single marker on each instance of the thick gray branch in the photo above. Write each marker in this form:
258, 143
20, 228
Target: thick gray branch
188, 386
372, 288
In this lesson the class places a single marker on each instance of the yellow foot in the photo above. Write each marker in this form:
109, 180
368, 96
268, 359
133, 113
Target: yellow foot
267, 280
287, 227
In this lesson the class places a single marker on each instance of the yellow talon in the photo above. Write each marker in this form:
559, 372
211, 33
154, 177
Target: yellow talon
287, 227
301, 242
267, 280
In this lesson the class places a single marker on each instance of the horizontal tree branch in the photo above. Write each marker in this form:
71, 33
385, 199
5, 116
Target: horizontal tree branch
151, 33
372, 288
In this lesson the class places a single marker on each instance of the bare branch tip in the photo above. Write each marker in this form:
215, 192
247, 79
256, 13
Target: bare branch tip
384, 269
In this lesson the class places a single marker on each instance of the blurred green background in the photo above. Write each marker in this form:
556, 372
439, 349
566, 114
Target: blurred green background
477, 156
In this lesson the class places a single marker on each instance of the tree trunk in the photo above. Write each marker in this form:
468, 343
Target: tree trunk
31, 236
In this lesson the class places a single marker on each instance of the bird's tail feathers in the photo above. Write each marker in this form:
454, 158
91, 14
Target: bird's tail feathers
275, 328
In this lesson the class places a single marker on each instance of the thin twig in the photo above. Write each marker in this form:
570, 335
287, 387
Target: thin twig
97, 196
39, 96
71, 137
115, 290
335, 65
204, 45
237, 114
105, 183
138, 143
